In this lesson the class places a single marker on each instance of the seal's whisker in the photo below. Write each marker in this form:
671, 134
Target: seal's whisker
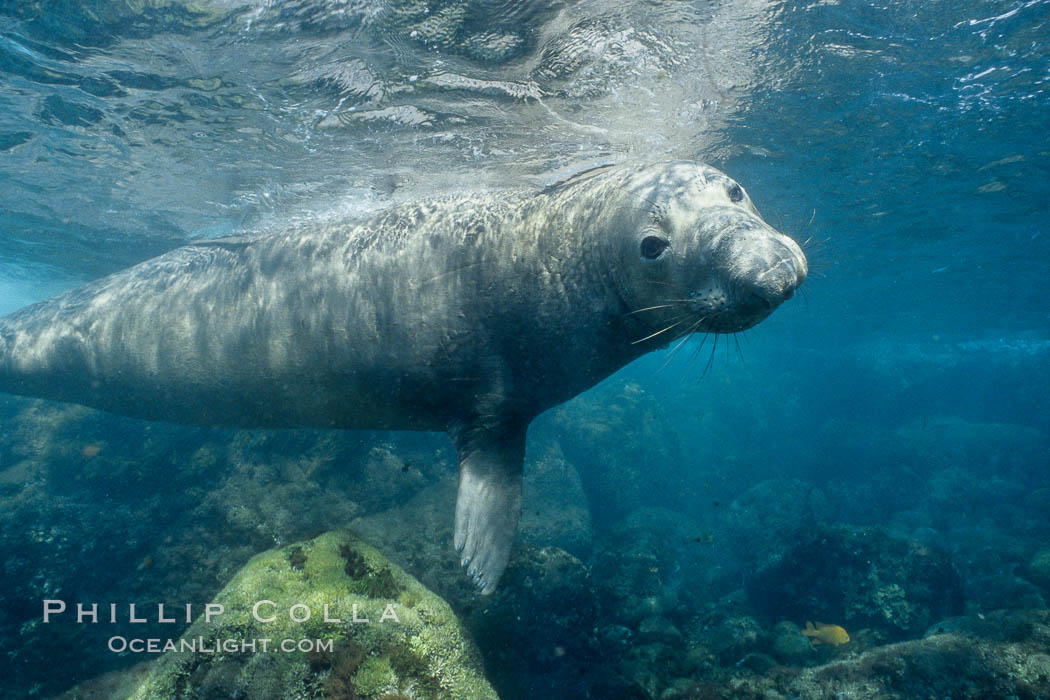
649, 308
653, 335
674, 351
816, 239
696, 353
678, 320
815, 264
815, 248
696, 324
711, 359
805, 298
685, 336
814, 245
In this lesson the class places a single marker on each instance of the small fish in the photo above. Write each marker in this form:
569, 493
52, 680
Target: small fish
826, 634
146, 563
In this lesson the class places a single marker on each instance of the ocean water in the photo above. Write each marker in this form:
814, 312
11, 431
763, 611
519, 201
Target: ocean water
895, 411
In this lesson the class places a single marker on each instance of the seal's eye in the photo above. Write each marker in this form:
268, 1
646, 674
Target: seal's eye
652, 246
735, 193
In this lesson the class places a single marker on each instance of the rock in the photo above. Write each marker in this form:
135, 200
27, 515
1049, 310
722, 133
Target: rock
791, 647
1003, 655
651, 666
659, 629
614, 437
1039, 568
115, 684
417, 534
613, 685
986, 499
540, 625
425, 650
418, 537
1005, 450
390, 480
985, 551
679, 688
614, 640
768, 519
728, 636
757, 662
554, 511
539, 629
1003, 590
859, 577
699, 661
651, 564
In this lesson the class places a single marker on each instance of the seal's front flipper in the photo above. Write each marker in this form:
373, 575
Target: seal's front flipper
488, 502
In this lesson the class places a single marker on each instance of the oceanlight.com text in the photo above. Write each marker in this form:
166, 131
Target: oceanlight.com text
200, 645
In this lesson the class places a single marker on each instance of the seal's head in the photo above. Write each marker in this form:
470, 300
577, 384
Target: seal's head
698, 256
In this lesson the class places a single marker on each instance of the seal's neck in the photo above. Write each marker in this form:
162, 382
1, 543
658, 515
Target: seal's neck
580, 325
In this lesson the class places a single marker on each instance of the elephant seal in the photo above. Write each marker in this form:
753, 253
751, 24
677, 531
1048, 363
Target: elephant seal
470, 315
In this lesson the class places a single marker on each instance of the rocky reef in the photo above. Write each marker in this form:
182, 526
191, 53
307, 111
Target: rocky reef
639, 571
861, 577
1006, 654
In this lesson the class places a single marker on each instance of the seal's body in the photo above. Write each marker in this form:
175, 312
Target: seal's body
465, 315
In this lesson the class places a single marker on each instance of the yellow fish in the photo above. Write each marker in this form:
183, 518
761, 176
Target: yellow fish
826, 634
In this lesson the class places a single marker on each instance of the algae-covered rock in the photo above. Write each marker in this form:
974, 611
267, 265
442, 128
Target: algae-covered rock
293, 626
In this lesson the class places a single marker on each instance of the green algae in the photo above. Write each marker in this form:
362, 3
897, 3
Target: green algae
341, 622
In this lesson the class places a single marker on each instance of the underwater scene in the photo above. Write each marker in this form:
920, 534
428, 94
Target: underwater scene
613, 349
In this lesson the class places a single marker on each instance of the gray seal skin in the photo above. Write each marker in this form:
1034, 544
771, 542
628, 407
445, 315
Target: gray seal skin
470, 315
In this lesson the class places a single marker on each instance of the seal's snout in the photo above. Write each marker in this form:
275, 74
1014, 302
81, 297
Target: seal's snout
757, 270
775, 267
752, 305
781, 271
